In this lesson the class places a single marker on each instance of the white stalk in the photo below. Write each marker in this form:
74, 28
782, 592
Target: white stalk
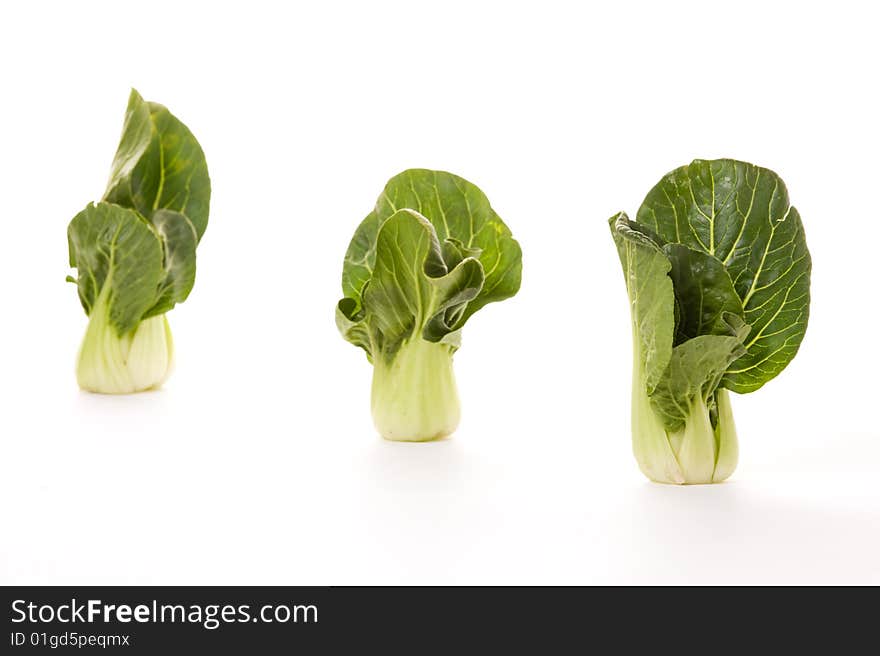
135, 362
414, 397
694, 454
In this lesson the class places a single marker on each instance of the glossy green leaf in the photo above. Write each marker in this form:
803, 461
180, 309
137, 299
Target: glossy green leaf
450, 298
179, 241
422, 262
398, 296
360, 258
411, 292
114, 246
351, 323
704, 293
645, 269
464, 222
159, 165
454, 251
138, 134
677, 288
695, 370
740, 214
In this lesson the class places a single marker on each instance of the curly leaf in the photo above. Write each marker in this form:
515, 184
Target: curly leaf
411, 291
464, 222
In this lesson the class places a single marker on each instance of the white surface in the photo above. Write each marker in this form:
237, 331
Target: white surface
258, 463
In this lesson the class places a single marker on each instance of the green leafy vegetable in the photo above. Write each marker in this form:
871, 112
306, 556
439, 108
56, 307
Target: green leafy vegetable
135, 251
429, 255
718, 274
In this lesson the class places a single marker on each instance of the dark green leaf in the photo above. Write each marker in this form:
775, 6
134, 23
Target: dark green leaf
179, 242
703, 293
450, 297
410, 292
114, 246
460, 212
454, 251
360, 258
352, 325
159, 165
740, 214
695, 370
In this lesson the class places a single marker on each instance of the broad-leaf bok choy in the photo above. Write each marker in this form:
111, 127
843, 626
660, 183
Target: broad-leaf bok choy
718, 276
430, 254
135, 251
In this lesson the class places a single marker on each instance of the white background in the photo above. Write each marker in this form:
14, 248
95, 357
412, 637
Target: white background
258, 464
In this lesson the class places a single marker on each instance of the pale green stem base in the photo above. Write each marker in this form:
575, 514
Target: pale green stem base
414, 397
138, 361
694, 454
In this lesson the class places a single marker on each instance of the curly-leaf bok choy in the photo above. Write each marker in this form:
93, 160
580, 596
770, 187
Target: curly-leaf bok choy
718, 275
135, 251
431, 253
